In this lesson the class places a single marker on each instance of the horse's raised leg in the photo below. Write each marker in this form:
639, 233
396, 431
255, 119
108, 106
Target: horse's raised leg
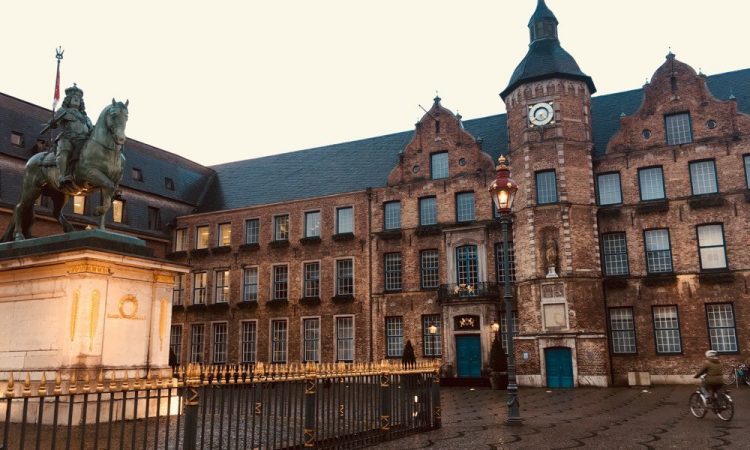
58, 203
97, 178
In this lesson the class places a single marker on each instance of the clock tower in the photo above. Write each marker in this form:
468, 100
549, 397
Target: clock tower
562, 331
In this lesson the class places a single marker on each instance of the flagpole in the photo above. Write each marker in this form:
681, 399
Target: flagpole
56, 97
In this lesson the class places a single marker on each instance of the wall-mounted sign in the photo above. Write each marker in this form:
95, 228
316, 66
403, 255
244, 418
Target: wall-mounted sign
466, 322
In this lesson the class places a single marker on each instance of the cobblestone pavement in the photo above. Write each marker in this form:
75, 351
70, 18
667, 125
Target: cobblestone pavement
612, 418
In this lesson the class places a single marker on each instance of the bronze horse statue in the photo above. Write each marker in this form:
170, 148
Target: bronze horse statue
99, 167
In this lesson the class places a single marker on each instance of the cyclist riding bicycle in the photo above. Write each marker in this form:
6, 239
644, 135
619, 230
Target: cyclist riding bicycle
714, 379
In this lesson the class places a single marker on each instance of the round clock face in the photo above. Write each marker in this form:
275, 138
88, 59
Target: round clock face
541, 114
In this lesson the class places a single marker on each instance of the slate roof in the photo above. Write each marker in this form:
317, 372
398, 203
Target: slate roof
357, 165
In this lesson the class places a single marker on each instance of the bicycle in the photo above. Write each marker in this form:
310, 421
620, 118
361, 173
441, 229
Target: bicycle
739, 374
722, 405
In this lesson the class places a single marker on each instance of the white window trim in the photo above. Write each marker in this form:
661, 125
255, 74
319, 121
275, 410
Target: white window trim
244, 228
208, 241
302, 277
288, 285
273, 225
354, 274
212, 343
304, 221
270, 340
218, 233
335, 337
302, 337
336, 218
239, 340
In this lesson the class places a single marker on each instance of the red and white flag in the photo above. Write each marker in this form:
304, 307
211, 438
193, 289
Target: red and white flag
56, 98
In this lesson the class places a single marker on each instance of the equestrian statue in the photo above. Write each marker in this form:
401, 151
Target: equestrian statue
86, 159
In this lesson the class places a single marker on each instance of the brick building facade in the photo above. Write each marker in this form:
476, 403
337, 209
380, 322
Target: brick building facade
629, 236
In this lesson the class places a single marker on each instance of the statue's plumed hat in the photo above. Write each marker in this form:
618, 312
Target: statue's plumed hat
74, 90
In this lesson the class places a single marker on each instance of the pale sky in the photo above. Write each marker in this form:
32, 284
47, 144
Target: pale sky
223, 81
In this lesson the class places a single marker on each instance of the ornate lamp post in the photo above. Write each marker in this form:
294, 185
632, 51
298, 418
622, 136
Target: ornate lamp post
503, 191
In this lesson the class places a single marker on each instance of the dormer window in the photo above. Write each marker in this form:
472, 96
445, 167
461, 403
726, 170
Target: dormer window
16, 139
136, 174
678, 129
169, 183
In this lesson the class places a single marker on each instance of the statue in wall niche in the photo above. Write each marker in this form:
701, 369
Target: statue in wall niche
86, 159
550, 256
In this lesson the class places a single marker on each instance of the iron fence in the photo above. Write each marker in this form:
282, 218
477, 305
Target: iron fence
220, 407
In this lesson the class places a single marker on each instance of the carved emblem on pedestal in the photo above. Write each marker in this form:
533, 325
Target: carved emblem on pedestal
128, 307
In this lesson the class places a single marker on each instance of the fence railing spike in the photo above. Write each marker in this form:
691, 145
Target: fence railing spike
57, 390
42, 389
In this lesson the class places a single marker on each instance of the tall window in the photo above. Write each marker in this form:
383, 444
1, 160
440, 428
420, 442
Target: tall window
252, 231
746, 158
651, 182
615, 254
175, 342
703, 177
344, 220
433, 341
392, 215
178, 289
154, 223
427, 211
199, 288
658, 251
721, 327
201, 236
180, 239
248, 341
439, 165
224, 234
429, 269
392, 271
499, 261
394, 335
465, 207
312, 280
196, 343
79, 204
608, 188
678, 129
280, 283
222, 286
712, 248
467, 265
622, 328
281, 228
219, 353
250, 284
344, 277
546, 187
503, 335
118, 211
278, 341
312, 224
311, 340
345, 338
667, 329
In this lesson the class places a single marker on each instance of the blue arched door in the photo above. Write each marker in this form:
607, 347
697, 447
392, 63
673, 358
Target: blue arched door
559, 363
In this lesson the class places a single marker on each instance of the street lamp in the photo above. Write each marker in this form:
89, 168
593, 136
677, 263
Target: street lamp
503, 191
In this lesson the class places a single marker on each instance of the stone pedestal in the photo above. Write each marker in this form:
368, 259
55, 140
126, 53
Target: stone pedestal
86, 299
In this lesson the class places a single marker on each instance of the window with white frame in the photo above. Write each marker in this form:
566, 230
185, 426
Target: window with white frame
201, 236
248, 341
467, 267
311, 288
280, 283
651, 183
79, 204
250, 284
427, 211
312, 224
721, 327
392, 215
615, 254
546, 187
281, 228
678, 129
178, 288
503, 335
344, 277
667, 329
252, 231
175, 342
196, 343
711, 247
222, 286
278, 341
608, 188
622, 329
499, 256
432, 340
199, 288
345, 220
430, 274
180, 239
311, 340
394, 335
219, 351
345, 339
746, 158
658, 251
703, 177
392, 270
224, 234
465, 207
439, 165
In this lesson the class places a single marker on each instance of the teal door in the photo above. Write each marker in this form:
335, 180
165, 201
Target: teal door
468, 355
559, 367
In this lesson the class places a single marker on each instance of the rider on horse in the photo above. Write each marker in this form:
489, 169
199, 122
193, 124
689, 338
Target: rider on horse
76, 128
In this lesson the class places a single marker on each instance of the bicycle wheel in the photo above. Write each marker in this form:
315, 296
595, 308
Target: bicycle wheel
725, 409
697, 407
746, 379
730, 378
